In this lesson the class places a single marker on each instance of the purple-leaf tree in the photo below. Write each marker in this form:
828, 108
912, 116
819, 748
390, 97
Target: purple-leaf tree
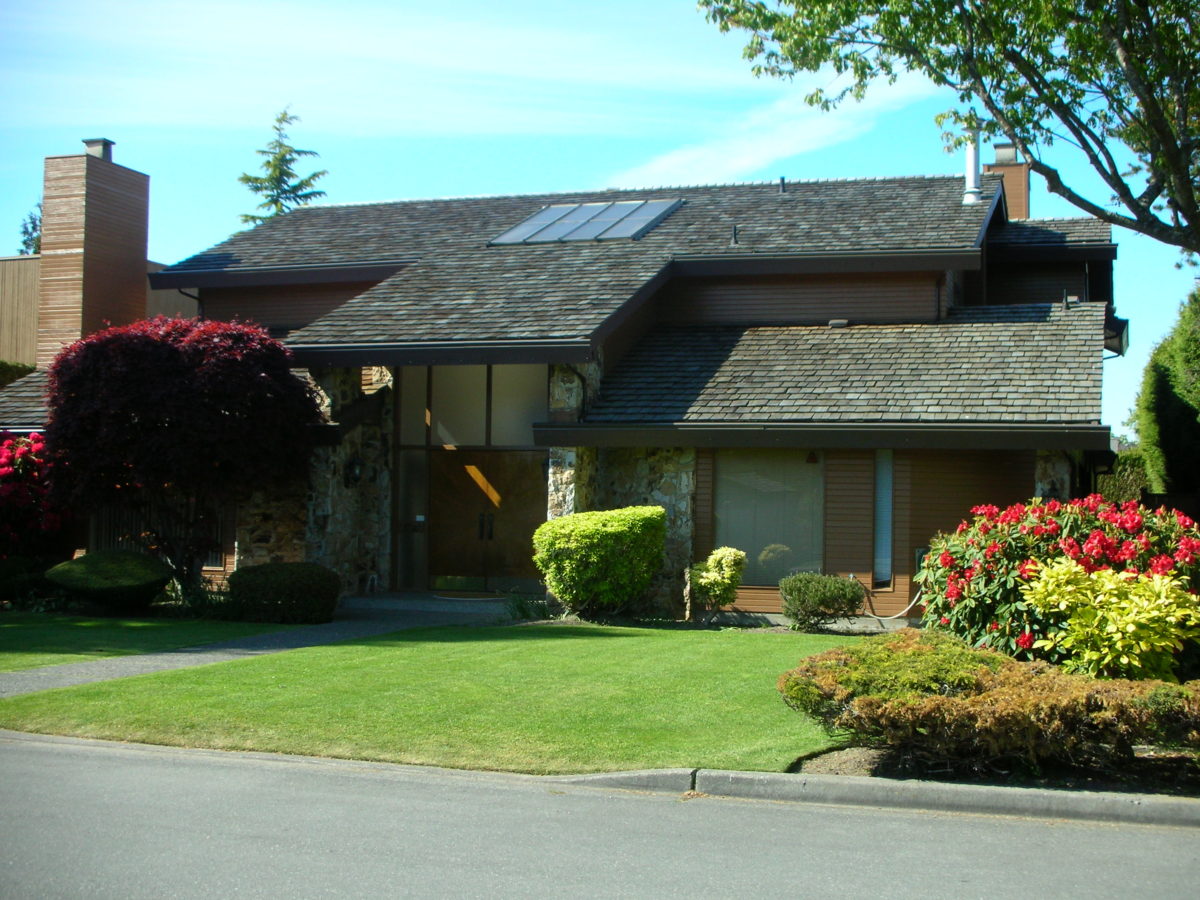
176, 419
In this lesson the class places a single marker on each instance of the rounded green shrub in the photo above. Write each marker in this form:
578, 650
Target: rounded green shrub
715, 581
813, 601
121, 581
600, 564
938, 702
288, 592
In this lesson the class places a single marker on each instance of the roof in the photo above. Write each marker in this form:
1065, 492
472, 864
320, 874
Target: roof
1036, 363
1056, 232
455, 287
23, 403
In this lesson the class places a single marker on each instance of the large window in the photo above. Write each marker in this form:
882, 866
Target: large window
471, 406
770, 504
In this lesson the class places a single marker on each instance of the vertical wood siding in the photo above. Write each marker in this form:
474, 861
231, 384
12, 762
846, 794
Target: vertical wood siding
18, 309
810, 300
1036, 283
703, 510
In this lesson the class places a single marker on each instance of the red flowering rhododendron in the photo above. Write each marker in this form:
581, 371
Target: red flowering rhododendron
28, 523
972, 577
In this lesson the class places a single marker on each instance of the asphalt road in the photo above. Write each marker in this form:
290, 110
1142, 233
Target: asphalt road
96, 820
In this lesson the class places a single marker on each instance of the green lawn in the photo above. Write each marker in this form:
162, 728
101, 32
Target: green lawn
536, 698
32, 640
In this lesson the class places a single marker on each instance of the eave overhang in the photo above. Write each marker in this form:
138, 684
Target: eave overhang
865, 435
734, 264
269, 276
1052, 252
423, 353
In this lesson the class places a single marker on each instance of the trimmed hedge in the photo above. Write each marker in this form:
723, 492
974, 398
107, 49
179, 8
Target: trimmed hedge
939, 702
715, 581
122, 581
292, 592
813, 601
599, 564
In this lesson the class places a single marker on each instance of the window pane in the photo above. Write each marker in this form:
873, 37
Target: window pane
518, 400
770, 504
883, 518
459, 405
412, 404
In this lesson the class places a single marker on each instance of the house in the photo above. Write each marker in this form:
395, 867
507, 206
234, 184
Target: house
821, 373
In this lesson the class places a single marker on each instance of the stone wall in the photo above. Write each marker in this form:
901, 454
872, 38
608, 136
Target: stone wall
349, 499
663, 477
271, 527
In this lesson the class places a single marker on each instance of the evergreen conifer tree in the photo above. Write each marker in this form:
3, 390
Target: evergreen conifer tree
282, 189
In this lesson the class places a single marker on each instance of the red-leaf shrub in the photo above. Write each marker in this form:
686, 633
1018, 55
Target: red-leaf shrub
972, 578
176, 415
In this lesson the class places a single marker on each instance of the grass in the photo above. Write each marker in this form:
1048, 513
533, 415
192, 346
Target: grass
537, 698
33, 640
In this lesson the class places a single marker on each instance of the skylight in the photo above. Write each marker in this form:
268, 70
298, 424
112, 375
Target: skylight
590, 222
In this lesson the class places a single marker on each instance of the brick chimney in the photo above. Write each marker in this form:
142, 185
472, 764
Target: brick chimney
93, 259
1016, 179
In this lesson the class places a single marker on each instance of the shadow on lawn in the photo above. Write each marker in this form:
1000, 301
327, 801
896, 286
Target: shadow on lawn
445, 634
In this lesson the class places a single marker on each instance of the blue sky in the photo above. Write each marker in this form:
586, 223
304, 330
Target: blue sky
403, 101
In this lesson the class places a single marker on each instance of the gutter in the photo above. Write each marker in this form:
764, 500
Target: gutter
421, 353
858, 435
260, 276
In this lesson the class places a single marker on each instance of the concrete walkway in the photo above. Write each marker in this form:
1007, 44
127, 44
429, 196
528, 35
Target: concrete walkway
357, 617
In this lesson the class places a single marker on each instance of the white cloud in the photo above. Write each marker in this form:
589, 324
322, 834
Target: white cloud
767, 134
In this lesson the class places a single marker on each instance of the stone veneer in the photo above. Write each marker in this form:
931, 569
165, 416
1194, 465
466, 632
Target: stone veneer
666, 477
349, 498
271, 527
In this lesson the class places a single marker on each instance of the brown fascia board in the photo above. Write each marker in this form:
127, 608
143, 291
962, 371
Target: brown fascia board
442, 353
269, 276
868, 435
827, 263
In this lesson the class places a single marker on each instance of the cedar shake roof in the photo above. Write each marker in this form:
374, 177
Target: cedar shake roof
1037, 363
1051, 232
456, 287
23, 403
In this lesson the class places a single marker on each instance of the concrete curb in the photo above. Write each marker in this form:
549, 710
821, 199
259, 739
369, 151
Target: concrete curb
830, 790
846, 790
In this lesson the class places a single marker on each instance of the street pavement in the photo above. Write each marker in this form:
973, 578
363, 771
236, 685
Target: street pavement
103, 820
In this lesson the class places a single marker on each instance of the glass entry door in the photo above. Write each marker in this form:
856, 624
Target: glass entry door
483, 508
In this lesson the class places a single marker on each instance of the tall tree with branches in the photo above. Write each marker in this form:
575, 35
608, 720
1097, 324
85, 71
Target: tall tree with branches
1094, 74
281, 188
31, 232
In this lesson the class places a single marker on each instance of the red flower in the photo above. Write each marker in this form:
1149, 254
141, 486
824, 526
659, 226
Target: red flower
943, 621
946, 560
1183, 521
953, 592
1025, 640
995, 626
1027, 569
1161, 564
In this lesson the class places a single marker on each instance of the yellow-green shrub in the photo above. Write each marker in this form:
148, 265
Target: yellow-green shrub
601, 563
1113, 624
715, 581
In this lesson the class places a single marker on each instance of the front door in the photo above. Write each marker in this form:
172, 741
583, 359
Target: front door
483, 508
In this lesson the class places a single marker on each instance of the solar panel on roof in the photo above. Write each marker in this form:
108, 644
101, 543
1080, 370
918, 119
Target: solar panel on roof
589, 221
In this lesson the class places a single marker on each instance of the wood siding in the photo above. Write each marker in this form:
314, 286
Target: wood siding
93, 268
1035, 282
278, 308
18, 309
704, 518
932, 491
809, 300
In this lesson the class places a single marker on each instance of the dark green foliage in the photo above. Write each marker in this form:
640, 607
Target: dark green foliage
300, 592
939, 702
121, 581
1168, 406
812, 601
282, 189
599, 564
1127, 479
31, 232
11, 371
